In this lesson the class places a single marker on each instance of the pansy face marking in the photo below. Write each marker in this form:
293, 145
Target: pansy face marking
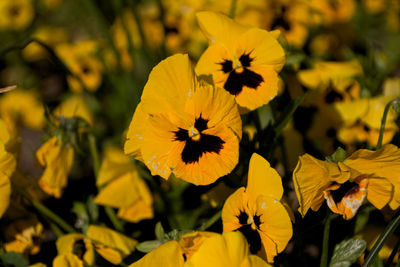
249, 230
240, 75
197, 143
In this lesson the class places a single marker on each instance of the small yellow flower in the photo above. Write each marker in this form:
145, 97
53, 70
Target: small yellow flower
366, 174
80, 249
22, 106
24, 236
16, 14
7, 167
81, 60
74, 106
123, 188
185, 127
245, 61
257, 211
57, 158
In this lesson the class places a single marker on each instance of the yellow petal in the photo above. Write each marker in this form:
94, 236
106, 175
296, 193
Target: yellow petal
233, 206
135, 133
67, 260
109, 254
5, 192
120, 192
112, 239
170, 84
115, 163
219, 28
228, 249
191, 242
138, 211
310, 179
65, 243
275, 228
263, 180
168, 254
75, 106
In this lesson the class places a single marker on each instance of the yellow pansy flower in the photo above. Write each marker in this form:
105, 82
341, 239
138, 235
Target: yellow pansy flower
257, 211
7, 166
366, 174
332, 11
22, 106
74, 106
57, 158
203, 249
81, 60
24, 236
80, 249
184, 126
16, 14
123, 188
48, 35
245, 61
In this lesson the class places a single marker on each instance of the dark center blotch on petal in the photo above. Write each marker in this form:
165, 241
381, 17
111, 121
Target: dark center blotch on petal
14, 11
235, 82
226, 66
345, 189
253, 238
257, 220
245, 60
194, 149
333, 96
79, 248
243, 217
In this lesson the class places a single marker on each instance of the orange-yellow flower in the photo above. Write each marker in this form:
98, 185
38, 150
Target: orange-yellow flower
366, 174
245, 61
257, 211
184, 126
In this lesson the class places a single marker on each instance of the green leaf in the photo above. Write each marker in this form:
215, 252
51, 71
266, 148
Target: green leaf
265, 116
92, 209
362, 218
148, 246
347, 252
159, 231
14, 259
339, 155
82, 220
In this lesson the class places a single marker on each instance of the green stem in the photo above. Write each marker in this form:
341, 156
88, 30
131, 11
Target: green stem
383, 122
382, 239
114, 219
45, 211
232, 9
211, 221
95, 154
325, 242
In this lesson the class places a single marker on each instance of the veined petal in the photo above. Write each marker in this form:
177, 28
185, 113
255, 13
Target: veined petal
234, 206
263, 180
275, 227
134, 136
168, 254
67, 260
379, 192
219, 28
170, 84
310, 180
112, 239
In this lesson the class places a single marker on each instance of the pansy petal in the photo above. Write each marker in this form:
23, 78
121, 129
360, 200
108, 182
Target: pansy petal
112, 239
310, 179
263, 180
234, 205
67, 260
170, 84
276, 227
219, 28
168, 254
135, 133
379, 192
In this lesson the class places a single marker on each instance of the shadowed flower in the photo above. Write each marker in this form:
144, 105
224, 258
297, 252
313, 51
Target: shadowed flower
7, 167
57, 158
245, 61
206, 249
185, 127
81, 60
22, 106
79, 248
16, 14
123, 188
256, 211
366, 174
